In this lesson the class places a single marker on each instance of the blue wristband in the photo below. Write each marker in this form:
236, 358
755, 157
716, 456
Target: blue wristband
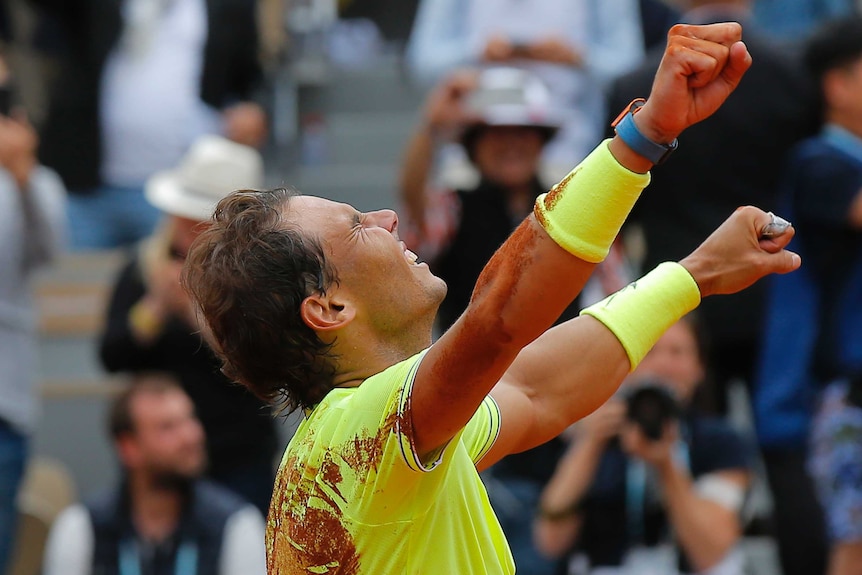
628, 132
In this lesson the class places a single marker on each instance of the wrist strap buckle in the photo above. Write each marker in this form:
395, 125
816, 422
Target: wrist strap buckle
628, 132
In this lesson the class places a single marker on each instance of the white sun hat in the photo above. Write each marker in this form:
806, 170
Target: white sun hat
212, 168
508, 96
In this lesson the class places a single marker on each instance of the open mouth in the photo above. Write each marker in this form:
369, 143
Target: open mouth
412, 258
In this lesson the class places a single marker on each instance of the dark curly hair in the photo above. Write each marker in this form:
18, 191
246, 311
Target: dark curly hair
248, 273
835, 44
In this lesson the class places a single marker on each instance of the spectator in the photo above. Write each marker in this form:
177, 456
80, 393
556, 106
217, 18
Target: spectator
812, 352
32, 202
618, 495
162, 518
141, 80
575, 47
151, 325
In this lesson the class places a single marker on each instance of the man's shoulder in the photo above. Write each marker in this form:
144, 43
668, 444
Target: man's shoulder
377, 390
817, 157
103, 505
213, 499
709, 426
716, 445
74, 519
819, 147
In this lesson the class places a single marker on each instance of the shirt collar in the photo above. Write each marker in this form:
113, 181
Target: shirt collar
844, 140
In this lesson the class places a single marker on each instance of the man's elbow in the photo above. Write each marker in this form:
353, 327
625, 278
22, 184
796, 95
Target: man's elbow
723, 539
554, 538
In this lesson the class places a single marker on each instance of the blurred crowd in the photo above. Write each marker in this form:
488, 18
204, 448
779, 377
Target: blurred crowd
123, 122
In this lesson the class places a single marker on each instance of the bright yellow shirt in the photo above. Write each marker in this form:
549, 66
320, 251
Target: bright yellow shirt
353, 498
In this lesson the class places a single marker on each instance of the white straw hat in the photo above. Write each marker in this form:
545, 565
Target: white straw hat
212, 168
508, 96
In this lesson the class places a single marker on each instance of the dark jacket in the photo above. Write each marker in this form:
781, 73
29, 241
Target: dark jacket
71, 136
202, 526
239, 429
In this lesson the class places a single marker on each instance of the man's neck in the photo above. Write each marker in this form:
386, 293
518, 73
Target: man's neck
845, 121
155, 509
369, 354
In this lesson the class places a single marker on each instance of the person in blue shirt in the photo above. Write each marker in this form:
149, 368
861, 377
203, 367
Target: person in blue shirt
809, 383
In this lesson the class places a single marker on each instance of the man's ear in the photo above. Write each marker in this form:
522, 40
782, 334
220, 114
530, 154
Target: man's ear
326, 312
127, 451
835, 90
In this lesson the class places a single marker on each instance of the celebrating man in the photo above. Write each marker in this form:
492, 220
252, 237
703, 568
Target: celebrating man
314, 303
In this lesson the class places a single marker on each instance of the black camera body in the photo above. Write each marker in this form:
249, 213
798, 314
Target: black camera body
652, 406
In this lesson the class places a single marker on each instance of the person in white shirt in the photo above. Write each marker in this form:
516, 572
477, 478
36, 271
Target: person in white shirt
162, 519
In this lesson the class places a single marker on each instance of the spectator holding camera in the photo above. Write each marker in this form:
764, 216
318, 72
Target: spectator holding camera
618, 496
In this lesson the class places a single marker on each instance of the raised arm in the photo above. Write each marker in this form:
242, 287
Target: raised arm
547, 260
443, 115
41, 195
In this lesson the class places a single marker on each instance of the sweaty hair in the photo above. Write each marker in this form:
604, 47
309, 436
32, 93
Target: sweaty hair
120, 420
835, 44
249, 273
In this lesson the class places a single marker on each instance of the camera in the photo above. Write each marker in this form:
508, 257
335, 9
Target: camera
652, 406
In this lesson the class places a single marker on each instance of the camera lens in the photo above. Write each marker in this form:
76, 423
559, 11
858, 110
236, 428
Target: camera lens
651, 407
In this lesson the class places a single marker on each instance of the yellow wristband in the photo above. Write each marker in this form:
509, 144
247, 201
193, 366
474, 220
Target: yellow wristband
642, 311
585, 211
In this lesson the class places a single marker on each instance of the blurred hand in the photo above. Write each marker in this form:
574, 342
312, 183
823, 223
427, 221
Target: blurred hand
165, 292
245, 123
18, 143
604, 423
701, 66
445, 111
498, 49
733, 257
555, 51
657, 453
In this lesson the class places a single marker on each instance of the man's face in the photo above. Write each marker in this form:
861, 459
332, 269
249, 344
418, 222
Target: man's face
854, 89
168, 440
183, 233
376, 272
508, 155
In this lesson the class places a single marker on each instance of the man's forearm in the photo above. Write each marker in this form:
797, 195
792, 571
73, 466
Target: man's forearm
706, 530
572, 478
43, 209
415, 171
